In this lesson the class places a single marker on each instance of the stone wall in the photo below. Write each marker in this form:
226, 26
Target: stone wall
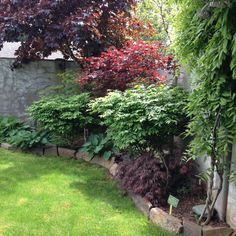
20, 87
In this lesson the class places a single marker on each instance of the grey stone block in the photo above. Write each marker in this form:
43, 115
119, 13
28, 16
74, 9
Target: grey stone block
65, 152
166, 221
143, 205
7, 146
114, 169
51, 151
83, 155
38, 151
96, 160
199, 209
102, 162
216, 231
191, 228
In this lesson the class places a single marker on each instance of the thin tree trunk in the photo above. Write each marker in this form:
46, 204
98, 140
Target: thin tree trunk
209, 195
210, 203
212, 206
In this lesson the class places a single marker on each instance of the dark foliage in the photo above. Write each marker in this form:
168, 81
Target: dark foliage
147, 177
75, 27
144, 176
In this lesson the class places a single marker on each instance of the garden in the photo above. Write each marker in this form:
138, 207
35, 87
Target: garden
125, 108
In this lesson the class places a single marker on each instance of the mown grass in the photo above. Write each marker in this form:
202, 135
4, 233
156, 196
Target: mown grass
56, 196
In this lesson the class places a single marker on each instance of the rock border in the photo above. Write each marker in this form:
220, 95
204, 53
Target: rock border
154, 214
193, 229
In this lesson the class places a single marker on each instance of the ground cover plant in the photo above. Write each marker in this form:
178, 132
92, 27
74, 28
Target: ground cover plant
48, 196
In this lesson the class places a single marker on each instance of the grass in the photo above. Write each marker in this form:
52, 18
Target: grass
56, 196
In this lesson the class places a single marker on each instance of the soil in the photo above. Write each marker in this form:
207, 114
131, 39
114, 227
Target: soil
184, 210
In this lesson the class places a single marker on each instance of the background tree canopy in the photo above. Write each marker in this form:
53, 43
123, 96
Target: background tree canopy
76, 28
159, 13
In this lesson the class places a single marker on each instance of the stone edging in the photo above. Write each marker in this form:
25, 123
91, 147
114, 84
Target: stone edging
193, 229
154, 214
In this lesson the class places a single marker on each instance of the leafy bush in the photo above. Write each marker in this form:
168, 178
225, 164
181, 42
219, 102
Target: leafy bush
142, 117
116, 69
99, 144
147, 177
7, 125
63, 116
20, 134
26, 139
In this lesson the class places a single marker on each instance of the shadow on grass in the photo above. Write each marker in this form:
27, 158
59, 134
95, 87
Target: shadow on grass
91, 180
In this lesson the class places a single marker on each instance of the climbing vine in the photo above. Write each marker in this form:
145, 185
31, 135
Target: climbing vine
206, 43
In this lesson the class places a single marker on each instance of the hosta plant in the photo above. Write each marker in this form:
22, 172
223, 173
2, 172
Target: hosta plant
20, 134
27, 138
99, 145
7, 125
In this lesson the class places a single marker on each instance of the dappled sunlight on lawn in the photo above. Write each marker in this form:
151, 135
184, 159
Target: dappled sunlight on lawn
49, 196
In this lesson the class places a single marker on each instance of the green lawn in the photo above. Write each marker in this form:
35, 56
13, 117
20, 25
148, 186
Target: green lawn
55, 196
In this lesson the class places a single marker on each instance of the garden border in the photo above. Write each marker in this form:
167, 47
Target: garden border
154, 214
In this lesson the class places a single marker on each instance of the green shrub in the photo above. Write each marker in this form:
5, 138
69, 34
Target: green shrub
65, 117
142, 117
26, 139
7, 125
20, 135
99, 145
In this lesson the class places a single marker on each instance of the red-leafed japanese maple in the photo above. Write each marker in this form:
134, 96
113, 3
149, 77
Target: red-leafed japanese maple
75, 27
146, 176
118, 68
